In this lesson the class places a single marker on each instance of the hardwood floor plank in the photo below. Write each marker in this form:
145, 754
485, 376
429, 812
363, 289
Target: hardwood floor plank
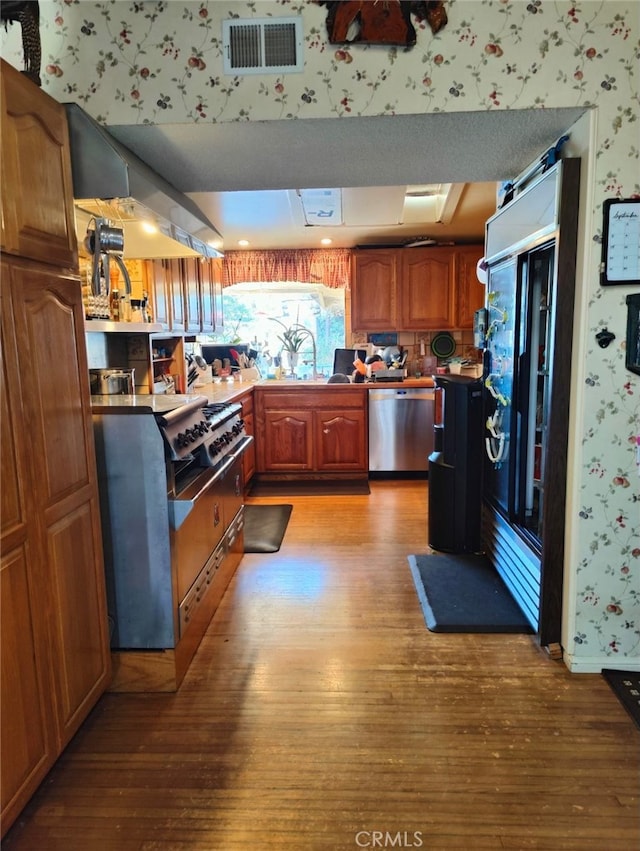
319, 706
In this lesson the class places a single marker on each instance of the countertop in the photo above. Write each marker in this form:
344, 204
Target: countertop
228, 391
231, 391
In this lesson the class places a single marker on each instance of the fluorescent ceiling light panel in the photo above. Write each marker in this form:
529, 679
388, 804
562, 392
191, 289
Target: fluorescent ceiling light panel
321, 207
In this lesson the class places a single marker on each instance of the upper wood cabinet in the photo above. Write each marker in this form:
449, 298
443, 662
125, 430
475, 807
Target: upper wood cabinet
374, 304
37, 192
427, 289
186, 294
176, 292
211, 283
415, 289
159, 293
470, 292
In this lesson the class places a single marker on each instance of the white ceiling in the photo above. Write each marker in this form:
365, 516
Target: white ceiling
240, 173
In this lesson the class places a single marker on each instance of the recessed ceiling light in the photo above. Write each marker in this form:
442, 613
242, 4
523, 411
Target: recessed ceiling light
326, 241
243, 242
149, 227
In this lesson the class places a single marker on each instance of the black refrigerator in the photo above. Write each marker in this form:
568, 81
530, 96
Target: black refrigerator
531, 250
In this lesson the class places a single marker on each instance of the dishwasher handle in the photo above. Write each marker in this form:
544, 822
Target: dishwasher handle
422, 395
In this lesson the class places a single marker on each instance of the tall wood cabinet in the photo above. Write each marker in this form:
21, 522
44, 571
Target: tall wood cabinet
415, 289
54, 651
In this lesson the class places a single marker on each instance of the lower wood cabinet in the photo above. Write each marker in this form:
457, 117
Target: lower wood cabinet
311, 431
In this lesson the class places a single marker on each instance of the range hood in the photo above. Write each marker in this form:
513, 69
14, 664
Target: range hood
111, 182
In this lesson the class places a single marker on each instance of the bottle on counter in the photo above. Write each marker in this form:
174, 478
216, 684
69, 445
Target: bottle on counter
146, 307
114, 306
125, 308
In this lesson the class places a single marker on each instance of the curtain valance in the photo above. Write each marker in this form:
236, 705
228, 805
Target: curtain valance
331, 267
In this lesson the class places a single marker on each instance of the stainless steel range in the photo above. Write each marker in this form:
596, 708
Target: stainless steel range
171, 493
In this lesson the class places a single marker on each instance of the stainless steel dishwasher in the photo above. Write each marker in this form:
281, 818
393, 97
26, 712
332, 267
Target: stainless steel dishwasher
400, 429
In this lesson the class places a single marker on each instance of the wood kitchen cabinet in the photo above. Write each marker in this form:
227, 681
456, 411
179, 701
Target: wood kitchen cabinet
159, 293
211, 283
427, 289
176, 293
37, 211
249, 455
374, 290
186, 294
415, 289
470, 292
54, 651
308, 430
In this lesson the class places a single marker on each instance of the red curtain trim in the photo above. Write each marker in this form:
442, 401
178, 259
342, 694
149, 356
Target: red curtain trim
331, 267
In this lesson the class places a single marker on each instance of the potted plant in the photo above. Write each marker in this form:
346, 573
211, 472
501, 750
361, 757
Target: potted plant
292, 338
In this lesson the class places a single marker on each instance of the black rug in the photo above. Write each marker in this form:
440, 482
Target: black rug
312, 487
626, 687
464, 593
264, 527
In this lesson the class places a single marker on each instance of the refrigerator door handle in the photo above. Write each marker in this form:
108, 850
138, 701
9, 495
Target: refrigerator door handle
521, 379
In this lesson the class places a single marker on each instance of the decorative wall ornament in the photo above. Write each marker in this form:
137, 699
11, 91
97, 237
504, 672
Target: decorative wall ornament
28, 16
381, 21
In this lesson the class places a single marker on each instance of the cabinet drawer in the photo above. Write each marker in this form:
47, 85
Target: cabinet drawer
276, 400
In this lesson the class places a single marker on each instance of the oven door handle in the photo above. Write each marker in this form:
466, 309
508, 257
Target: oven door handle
179, 509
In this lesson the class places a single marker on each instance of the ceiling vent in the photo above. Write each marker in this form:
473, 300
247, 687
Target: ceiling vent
262, 46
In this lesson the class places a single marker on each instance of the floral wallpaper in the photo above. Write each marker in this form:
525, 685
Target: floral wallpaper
159, 62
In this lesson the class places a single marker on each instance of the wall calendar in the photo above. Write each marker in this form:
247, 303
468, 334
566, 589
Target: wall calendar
621, 242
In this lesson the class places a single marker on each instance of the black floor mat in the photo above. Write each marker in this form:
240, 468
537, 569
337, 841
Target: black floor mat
626, 687
264, 527
464, 593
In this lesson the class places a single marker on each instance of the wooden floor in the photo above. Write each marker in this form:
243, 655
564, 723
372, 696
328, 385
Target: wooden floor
319, 710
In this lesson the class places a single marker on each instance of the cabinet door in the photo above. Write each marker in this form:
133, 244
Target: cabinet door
159, 294
208, 306
192, 294
49, 325
27, 734
211, 283
288, 441
36, 174
427, 287
373, 290
469, 291
340, 441
218, 311
175, 291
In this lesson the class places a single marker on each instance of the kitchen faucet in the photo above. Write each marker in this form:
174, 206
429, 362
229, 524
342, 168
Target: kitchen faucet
314, 363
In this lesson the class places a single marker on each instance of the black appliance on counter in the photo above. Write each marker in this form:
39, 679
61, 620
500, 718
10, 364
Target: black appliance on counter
455, 465
171, 500
343, 360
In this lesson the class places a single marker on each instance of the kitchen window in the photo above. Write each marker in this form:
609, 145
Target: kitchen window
250, 309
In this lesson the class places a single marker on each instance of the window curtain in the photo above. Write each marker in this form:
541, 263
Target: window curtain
331, 267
